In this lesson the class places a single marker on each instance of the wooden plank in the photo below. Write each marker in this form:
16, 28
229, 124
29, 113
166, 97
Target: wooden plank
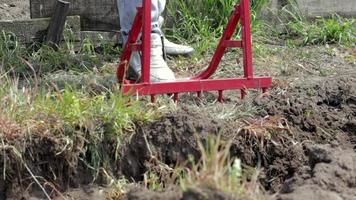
326, 8
95, 14
56, 26
35, 29
113, 37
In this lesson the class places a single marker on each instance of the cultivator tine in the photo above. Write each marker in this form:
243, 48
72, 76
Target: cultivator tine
264, 90
221, 96
153, 98
199, 95
243, 94
175, 97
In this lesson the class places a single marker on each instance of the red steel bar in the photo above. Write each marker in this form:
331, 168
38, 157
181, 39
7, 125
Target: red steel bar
246, 37
129, 47
197, 85
146, 41
220, 51
221, 96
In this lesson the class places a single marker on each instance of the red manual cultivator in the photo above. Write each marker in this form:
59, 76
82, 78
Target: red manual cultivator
202, 81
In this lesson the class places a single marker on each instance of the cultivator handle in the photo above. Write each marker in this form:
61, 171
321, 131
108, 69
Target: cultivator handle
202, 81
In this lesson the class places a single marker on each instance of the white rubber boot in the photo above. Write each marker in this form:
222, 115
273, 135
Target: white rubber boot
177, 49
160, 72
174, 49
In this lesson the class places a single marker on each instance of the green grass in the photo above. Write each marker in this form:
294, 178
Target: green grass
33, 107
69, 115
70, 107
42, 59
202, 22
298, 29
334, 30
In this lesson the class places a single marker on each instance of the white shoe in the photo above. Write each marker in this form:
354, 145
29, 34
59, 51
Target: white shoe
160, 72
177, 49
174, 49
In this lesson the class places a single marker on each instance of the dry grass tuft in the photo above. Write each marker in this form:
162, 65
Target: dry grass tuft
266, 127
8, 129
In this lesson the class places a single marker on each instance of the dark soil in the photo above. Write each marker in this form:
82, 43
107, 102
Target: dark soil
325, 106
137, 193
316, 158
313, 156
173, 138
330, 175
324, 111
170, 140
54, 161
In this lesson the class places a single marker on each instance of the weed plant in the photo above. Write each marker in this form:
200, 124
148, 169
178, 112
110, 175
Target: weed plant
216, 170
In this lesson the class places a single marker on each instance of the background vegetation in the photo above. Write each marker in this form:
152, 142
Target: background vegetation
202, 22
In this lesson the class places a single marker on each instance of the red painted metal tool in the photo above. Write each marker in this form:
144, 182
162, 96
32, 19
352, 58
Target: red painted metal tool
202, 81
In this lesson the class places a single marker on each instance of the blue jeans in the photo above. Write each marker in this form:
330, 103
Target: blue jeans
127, 12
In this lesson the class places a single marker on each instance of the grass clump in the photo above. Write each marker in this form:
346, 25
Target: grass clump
217, 171
77, 129
298, 29
71, 107
333, 30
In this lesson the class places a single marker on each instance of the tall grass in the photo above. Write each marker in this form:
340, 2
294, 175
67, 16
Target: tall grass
202, 22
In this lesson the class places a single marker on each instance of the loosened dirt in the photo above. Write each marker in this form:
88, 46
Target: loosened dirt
329, 105
46, 157
174, 138
137, 193
315, 157
170, 140
329, 175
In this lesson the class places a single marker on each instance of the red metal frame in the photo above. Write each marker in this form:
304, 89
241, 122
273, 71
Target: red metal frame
202, 81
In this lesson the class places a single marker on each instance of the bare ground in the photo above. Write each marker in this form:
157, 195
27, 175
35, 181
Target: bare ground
315, 160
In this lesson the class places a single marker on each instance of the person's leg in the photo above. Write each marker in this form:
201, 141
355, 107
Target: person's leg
128, 9
160, 71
